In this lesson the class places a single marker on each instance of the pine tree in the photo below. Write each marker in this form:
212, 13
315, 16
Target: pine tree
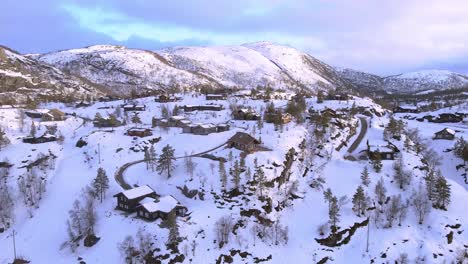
441, 193
101, 183
459, 146
166, 161
377, 164
222, 174
136, 119
365, 179
430, 180
328, 195
33, 130
147, 158
171, 222
236, 175
334, 214
153, 158
359, 201
260, 178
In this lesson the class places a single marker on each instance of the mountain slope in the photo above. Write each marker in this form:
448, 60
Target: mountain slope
124, 69
419, 81
406, 83
248, 66
21, 77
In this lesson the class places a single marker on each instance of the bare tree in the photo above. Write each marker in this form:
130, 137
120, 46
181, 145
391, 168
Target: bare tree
421, 203
128, 250
223, 228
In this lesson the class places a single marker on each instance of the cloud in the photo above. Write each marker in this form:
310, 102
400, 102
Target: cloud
385, 37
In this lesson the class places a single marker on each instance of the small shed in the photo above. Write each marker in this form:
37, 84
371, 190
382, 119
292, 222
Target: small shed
160, 208
382, 152
216, 97
54, 115
133, 107
243, 141
33, 114
139, 132
129, 200
445, 133
38, 140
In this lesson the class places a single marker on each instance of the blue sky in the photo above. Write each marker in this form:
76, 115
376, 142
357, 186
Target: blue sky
384, 37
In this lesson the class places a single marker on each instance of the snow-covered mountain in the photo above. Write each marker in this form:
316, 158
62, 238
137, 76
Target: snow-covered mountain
419, 81
21, 76
248, 65
406, 83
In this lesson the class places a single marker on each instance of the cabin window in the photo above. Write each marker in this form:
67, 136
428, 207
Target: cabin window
389, 156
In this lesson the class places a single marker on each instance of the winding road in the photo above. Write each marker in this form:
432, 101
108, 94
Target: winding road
361, 135
119, 174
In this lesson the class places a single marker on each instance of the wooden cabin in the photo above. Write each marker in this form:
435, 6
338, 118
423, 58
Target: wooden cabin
53, 115
33, 114
445, 133
107, 122
139, 132
207, 107
382, 152
133, 107
129, 200
82, 104
211, 97
243, 141
222, 128
38, 140
164, 98
152, 209
406, 109
245, 114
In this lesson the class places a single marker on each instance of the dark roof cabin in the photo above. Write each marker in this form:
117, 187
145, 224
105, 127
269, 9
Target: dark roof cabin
129, 200
152, 209
216, 97
133, 107
245, 114
243, 141
445, 133
207, 107
163, 98
139, 132
38, 140
406, 109
33, 114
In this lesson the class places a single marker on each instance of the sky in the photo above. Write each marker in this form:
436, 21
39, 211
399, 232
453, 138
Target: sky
383, 37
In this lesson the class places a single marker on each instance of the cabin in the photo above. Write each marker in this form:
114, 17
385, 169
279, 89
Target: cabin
212, 97
222, 128
382, 151
33, 114
38, 140
163, 98
207, 107
339, 97
245, 114
152, 209
107, 98
177, 121
159, 122
53, 115
82, 104
200, 129
448, 118
107, 122
133, 107
279, 116
130, 199
139, 132
445, 133
243, 141
406, 109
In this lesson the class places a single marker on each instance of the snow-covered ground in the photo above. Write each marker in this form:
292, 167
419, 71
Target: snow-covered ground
40, 236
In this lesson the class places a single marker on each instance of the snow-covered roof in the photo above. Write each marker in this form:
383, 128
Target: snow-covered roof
377, 148
138, 192
177, 117
448, 130
165, 204
138, 129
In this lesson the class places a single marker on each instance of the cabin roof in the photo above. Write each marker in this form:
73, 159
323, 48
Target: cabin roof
243, 138
138, 192
448, 130
165, 204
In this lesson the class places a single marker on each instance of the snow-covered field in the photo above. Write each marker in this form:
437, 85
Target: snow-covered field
41, 231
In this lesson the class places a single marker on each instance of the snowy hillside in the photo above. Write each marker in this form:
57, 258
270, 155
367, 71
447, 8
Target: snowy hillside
406, 83
265, 205
425, 80
247, 66
123, 69
21, 77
